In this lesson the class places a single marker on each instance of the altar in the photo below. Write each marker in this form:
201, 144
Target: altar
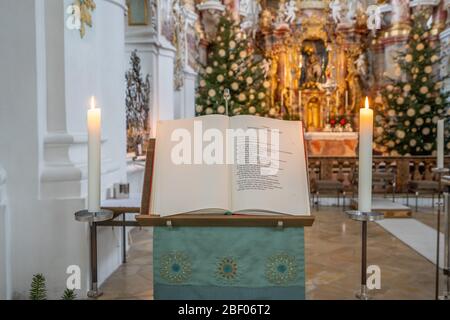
338, 144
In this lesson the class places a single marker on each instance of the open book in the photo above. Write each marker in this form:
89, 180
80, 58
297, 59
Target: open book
243, 164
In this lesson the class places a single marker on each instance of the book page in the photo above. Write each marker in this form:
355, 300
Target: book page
280, 186
186, 175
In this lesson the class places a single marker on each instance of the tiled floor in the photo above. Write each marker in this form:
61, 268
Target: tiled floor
332, 262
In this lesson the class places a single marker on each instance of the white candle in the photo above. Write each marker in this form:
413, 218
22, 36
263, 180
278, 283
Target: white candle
94, 156
365, 158
440, 144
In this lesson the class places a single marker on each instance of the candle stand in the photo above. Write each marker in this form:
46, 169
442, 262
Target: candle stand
92, 218
440, 172
364, 218
446, 181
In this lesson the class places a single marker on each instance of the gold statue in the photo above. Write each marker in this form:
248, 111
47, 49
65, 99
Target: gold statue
313, 114
266, 20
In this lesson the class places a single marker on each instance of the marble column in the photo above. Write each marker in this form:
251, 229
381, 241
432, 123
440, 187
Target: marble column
444, 37
185, 95
400, 14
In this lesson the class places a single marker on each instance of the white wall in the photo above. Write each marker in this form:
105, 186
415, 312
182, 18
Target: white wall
5, 284
48, 74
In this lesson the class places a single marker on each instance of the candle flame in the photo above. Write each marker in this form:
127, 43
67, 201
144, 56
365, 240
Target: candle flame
92, 102
367, 103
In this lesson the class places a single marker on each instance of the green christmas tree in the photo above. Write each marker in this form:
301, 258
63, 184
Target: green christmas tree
38, 290
415, 100
232, 67
69, 294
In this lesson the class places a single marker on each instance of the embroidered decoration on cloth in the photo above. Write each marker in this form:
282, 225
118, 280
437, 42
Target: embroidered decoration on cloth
227, 269
175, 267
228, 263
281, 269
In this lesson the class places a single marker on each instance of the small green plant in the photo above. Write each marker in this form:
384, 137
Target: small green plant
38, 290
69, 294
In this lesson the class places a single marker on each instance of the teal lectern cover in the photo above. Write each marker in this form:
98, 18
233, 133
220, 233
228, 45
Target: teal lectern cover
228, 263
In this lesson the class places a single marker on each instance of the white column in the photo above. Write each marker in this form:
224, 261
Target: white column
48, 75
157, 59
5, 256
445, 54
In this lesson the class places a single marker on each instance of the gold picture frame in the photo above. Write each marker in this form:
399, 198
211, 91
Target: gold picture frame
137, 12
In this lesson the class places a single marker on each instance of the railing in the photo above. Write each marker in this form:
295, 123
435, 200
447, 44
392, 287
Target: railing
345, 169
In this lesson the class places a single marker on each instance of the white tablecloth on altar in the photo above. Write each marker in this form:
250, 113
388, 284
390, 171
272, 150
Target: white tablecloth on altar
331, 136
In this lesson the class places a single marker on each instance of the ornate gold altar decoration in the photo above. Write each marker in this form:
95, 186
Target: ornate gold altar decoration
86, 7
313, 63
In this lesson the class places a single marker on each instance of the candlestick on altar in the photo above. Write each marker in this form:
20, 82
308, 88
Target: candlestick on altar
346, 100
226, 96
300, 112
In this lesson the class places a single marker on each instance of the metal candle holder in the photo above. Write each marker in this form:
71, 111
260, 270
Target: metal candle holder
439, 172
92, 218
364, 217
446, 181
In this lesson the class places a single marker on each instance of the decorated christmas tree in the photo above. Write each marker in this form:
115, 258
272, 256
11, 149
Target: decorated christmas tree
233, 75
38, 290
137, 104
414, 100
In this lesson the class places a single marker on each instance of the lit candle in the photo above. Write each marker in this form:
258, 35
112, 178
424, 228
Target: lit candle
440, 144
365, 158
94, 158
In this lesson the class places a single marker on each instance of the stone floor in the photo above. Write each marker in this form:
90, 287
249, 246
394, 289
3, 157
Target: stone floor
332, 262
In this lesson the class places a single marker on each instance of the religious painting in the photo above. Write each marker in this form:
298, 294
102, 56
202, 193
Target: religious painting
137, 12
314, 61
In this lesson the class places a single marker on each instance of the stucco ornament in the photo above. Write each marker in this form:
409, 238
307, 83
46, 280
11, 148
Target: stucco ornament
79, 15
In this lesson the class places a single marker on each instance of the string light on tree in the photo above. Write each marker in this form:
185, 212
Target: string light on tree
414, 98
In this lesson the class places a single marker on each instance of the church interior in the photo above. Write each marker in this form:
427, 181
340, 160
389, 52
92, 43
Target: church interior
75, 185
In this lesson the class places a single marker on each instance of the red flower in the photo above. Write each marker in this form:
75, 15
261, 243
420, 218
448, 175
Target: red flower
343, 122
333, 122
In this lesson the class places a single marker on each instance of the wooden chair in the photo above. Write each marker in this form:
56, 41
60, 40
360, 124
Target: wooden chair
422, 187
327, 187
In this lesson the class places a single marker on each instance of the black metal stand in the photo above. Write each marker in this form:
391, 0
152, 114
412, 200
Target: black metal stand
446, 181
439, 172
124, 239
364, 217
94, 292
92, 218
